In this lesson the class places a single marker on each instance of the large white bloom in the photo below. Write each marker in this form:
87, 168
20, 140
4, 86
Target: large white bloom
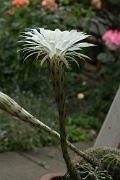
62, 45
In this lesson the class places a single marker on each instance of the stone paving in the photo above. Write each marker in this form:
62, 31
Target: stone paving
31, 166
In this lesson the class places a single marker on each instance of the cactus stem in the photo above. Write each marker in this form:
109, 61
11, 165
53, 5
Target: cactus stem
57, 73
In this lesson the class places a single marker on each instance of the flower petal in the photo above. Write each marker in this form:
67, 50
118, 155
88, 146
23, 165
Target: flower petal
64, 45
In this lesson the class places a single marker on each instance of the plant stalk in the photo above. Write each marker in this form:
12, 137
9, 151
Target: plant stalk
56, 69
10, 106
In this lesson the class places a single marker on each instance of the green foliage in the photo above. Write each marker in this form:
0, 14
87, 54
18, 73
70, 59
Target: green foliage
64, 2
43, 164
114, 1
106, 57
82, 127
17, 135
13, 139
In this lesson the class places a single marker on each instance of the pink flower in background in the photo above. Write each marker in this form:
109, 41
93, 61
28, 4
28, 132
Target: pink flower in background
19, 3
112, 39
97, 3
49, 4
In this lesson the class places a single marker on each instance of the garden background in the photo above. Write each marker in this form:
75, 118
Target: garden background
90, 88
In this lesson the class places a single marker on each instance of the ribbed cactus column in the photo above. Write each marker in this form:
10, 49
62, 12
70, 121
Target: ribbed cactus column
56, 68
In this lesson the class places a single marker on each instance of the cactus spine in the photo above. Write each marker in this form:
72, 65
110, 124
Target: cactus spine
108, 159
111, 163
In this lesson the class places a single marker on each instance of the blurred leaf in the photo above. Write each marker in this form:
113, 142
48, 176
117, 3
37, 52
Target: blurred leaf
106, 57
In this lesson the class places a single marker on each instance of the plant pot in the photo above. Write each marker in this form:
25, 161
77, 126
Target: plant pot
52, 176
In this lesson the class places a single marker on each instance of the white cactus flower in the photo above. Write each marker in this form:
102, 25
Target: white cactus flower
61, 45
